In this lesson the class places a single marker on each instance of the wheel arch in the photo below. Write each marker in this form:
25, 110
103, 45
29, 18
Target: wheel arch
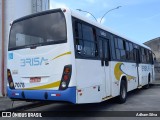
124, 78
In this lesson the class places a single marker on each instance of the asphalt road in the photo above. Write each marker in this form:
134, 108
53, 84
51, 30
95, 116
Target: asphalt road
138, 100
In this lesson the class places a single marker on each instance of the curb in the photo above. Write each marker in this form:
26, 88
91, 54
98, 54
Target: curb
155, 84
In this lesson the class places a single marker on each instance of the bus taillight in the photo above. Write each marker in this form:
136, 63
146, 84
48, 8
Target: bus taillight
10, 80
67, 70
65, 77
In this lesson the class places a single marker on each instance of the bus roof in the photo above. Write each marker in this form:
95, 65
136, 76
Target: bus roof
79, 16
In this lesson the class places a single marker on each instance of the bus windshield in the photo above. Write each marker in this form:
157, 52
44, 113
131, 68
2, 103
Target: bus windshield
40, 30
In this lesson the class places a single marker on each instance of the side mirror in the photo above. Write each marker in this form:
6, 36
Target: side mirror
154, 58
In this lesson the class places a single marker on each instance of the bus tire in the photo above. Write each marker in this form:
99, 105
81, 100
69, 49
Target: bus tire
148, 84
123, 92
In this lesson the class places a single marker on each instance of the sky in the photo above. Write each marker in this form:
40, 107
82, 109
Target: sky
138, 20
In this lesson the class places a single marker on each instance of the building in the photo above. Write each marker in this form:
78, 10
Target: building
154, 44
9, 11
1, 37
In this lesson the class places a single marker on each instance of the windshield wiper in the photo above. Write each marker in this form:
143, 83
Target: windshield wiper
32, 46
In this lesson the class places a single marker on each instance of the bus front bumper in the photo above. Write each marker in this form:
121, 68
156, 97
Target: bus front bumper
68, 95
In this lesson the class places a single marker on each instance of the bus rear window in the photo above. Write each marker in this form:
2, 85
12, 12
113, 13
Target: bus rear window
39, 30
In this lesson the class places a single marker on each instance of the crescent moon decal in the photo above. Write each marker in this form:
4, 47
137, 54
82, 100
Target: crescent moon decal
118, 72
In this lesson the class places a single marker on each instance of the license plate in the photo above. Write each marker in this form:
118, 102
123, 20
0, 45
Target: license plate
35, 79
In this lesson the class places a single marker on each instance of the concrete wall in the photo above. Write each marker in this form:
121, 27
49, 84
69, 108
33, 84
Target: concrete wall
0, 45
15, 9
39, 5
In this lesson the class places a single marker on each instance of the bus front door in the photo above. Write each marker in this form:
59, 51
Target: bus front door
104, 55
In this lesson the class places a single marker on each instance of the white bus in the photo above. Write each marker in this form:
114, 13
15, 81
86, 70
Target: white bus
59, 55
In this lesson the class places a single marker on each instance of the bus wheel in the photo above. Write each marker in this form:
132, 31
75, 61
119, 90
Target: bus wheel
123, 93
148, 85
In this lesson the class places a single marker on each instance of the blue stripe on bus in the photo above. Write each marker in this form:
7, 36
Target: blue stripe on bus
64, 95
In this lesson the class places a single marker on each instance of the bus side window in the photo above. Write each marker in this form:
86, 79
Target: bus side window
147, 56
101, 49
120, 49
118, 55
151, 57
78, 37
143, 55
112, 48
95, 42
89, 40
135, 47
131, 51
85, 40
127, 51
121, 46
